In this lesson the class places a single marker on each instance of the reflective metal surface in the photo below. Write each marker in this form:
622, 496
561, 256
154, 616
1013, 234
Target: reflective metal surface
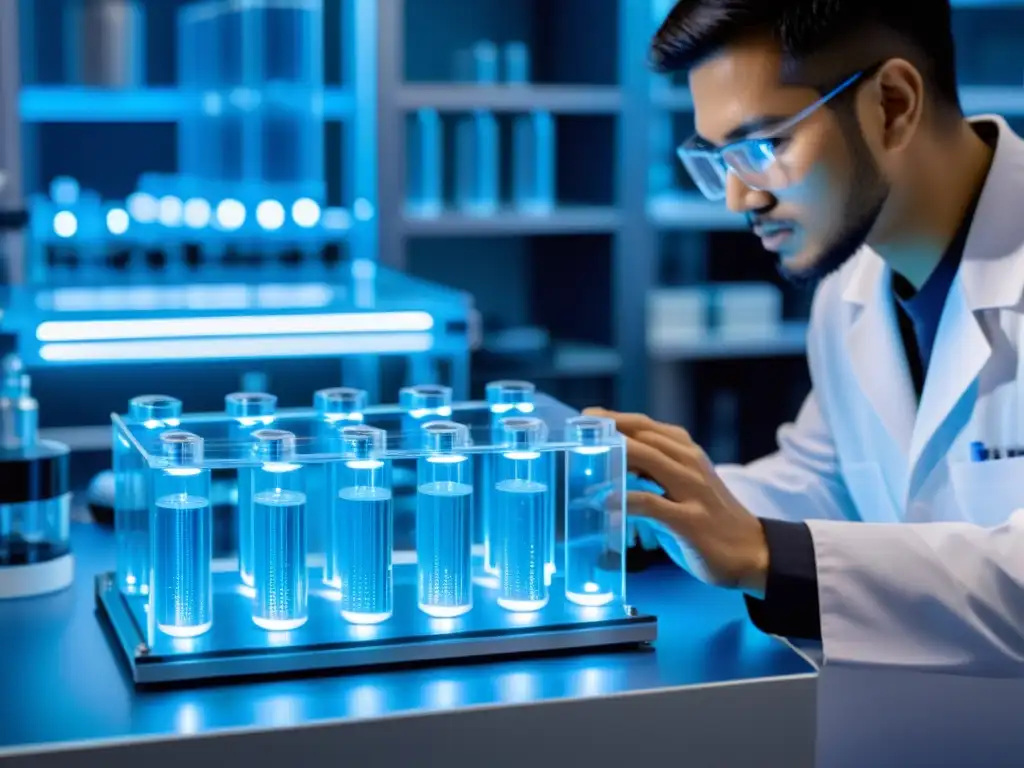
76, 690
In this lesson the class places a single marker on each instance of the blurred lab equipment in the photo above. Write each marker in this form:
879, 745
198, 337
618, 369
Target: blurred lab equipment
104, 43
476, 136
35, 497
533, 142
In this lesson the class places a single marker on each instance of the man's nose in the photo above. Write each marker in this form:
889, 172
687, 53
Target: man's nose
740, 198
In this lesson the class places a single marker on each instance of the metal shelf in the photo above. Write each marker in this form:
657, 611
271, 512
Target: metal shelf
691, 211
560, 99
1003, 99
76, 104
665, 346
561, 221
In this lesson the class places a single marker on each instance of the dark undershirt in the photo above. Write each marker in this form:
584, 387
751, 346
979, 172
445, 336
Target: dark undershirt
790, 606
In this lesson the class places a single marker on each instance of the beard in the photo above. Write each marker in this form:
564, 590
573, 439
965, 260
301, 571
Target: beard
866, 197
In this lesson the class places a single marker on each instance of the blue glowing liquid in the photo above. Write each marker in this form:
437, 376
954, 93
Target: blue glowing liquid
444, 538
279, 526
245, 538
182, 596
364, 528
522, 507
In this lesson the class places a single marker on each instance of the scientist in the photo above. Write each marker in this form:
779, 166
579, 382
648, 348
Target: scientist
885, 523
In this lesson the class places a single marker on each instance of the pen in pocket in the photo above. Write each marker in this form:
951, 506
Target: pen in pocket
981, 452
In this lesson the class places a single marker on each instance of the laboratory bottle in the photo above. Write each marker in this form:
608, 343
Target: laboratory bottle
476, 137
533, 142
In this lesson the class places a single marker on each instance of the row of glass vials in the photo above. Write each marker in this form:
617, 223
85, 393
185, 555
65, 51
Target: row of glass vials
511, 492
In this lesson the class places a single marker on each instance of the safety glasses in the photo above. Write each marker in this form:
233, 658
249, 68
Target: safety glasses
756, 160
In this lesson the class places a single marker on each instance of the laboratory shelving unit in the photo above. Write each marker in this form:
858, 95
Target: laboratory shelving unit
639, 221
632, 233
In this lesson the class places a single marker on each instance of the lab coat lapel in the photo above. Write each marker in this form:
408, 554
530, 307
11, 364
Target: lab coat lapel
876, 349
991, 277
960, 352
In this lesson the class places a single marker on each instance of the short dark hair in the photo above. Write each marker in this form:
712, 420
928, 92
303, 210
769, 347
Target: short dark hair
920, 30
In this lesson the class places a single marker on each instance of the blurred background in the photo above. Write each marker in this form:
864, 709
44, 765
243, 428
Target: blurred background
205, 196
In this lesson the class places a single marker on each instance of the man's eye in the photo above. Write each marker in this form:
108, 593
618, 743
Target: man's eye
780, 143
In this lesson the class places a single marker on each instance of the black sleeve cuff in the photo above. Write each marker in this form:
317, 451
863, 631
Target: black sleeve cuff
790, 605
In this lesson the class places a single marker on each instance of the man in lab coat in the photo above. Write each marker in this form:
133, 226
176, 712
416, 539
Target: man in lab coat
884, 524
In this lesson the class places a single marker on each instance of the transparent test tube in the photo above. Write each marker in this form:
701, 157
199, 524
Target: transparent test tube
533, 143
131, 505
444, 521
594, 565
521, 496
181, 520
504, 399
279, 533
335, 407
364, 526
250, 411
421, 403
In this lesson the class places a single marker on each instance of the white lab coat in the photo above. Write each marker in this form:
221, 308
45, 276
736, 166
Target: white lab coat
920, 556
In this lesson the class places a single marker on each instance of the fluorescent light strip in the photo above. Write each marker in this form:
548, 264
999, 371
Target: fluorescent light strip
254, 325
226, 349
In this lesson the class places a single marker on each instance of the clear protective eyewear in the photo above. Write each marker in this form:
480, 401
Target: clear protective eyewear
754, 160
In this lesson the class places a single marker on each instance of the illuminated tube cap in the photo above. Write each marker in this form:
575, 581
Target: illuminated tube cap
154, 408
340, 401
363, 442
590, 430
182, 449
445, 436
523, 433
275, 446
240, 405
510, 393
425, 397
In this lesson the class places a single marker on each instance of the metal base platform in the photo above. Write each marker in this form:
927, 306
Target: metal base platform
235, 647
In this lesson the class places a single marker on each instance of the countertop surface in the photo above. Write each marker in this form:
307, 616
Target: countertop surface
71, 687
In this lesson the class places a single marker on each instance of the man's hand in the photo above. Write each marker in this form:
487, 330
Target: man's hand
696, 506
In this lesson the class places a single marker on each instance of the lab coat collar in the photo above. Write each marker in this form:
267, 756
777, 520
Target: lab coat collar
991, 276
992, 268
992, 271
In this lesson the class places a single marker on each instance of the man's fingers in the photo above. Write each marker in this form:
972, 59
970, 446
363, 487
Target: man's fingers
674, 515
626, 423
687, 454
678, 479
631, 423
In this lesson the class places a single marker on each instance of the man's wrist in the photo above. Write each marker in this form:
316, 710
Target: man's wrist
755, 578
